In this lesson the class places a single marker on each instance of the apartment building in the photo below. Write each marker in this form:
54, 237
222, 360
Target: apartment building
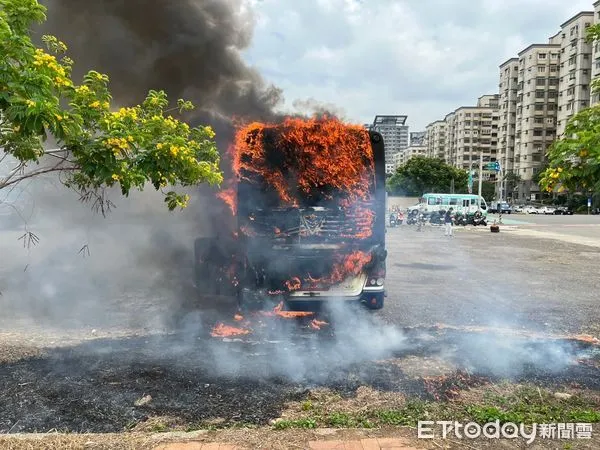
472, 131
537, 97
395, 137
507, 117
410, 152
435, 139
595, 98
575, 68
450, 147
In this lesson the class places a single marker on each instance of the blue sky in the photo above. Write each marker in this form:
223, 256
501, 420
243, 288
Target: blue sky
423, 58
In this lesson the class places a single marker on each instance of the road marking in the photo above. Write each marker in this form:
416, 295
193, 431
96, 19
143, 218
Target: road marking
580, 240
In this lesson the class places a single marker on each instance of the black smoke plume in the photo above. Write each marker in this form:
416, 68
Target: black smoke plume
189, 48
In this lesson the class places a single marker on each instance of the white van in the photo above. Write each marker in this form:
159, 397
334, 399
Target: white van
463, 203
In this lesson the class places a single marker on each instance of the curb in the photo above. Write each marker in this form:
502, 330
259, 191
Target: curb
362, 444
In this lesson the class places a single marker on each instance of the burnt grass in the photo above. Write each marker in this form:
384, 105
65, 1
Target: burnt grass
93, 386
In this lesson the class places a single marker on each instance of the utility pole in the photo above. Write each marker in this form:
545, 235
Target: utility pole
480, 180
501, 175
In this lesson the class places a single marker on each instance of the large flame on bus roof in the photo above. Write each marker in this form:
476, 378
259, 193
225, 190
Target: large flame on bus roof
315, 158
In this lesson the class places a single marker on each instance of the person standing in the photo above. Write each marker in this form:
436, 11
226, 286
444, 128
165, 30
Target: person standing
448, 223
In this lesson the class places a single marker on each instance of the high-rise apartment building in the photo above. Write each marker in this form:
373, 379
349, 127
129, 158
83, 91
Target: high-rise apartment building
537, 95
435, 139
595, 97
575, 68
509, 79
450, 147
395, 137
472, 131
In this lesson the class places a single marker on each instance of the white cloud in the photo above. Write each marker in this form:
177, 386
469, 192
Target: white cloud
420, 58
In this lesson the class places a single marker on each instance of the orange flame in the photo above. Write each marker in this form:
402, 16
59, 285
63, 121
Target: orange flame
334, 156
222, 330
238, 317
294, 284
350, 265
317, 324
279, 312
229, 196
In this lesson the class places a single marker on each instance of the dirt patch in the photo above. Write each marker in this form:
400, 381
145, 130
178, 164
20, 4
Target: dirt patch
12, 353
326, 401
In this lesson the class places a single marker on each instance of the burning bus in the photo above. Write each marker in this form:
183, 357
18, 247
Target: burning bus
309, 207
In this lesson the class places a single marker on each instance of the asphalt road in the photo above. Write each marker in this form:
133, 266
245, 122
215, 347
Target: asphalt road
543, 219
488, 279
525, 277
583, 226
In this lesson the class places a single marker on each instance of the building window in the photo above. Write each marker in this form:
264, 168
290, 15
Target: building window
541, 69
542, 55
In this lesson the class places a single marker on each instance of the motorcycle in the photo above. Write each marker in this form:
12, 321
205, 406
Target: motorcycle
393, 221
437, 218
413, 217
460, 219
478, 219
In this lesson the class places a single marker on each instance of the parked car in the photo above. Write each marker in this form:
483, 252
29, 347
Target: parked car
547, 210
518, 208
500, 207
531, 210
564, 210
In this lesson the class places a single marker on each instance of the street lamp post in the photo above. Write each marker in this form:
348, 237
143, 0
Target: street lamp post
480, 180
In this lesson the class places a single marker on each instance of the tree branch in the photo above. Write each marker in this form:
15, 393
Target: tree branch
10, 181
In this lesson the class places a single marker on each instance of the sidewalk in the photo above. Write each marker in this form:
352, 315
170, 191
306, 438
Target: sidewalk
363, 444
